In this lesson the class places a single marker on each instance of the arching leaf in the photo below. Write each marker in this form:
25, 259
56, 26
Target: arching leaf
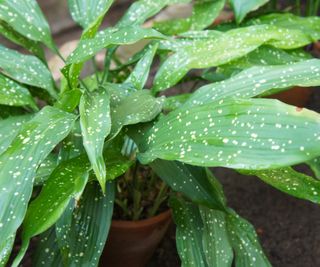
243, 7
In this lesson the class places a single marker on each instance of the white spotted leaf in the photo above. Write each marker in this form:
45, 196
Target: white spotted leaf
18, 164
95, 124
218, 49
9, 128
237, 133
5, 250
83, 230
14, 94
45, 169
242, 7
138, 77
259, 80
291, 182
26, 18
88, 13
26, 69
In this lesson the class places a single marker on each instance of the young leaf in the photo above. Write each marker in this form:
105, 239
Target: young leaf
82, 233
141, 10
291, 182
13, 94
26, 69
111, 36
88, 13
314, 164
138, 107
243, 7
140, 73
27, 19
193, 54
194, 182
244, 241
9, 129
69, 100
95, 124
18, 164
259, 80
243, 134
33, 46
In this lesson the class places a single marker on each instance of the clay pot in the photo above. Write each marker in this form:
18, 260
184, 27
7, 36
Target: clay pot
132, 243
297, 96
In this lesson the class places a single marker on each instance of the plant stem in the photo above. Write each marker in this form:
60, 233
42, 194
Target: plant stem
107, 63
158, 201
95, 67
136, 193
298, 7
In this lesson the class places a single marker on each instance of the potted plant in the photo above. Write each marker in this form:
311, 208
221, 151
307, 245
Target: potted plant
66, 147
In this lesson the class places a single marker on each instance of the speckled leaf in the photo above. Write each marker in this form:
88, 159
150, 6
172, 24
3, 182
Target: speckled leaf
138, 107
9, 129
111, 36
13, 94
69, 100
140, 73
27, 19
188, 233
243, 7
291, 182
82, 233
174, 102
203, 15
26, 69
219, 50
18, 164
141, 10
314, 164
259, 80
308, 25
215, 239
88, 12
194, 182
70, 177
45, 169
5, 250
47, 252
243, 134
33, 46
244, 241
95, 124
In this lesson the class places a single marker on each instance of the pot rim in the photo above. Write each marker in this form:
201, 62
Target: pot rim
163, 216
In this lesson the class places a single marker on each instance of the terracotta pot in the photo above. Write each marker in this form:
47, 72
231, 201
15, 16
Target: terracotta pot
132, 243
297, 96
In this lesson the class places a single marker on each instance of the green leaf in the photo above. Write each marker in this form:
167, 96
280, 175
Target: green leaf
141, 10
203, 15
69, 100
215, 238
5, 250
174, 102
82, 233
140, 73
95, 124
33, 46
26, 69
88, 12
194, 182
314, 164
188, 233
13, 94
45, 169
138, 107
9, 129
259, 80
244, 241
70, 177
308, 25
193, 54
27, 19
47, 252
18, 164
291, 182
243, 7
243, 134
111, 36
